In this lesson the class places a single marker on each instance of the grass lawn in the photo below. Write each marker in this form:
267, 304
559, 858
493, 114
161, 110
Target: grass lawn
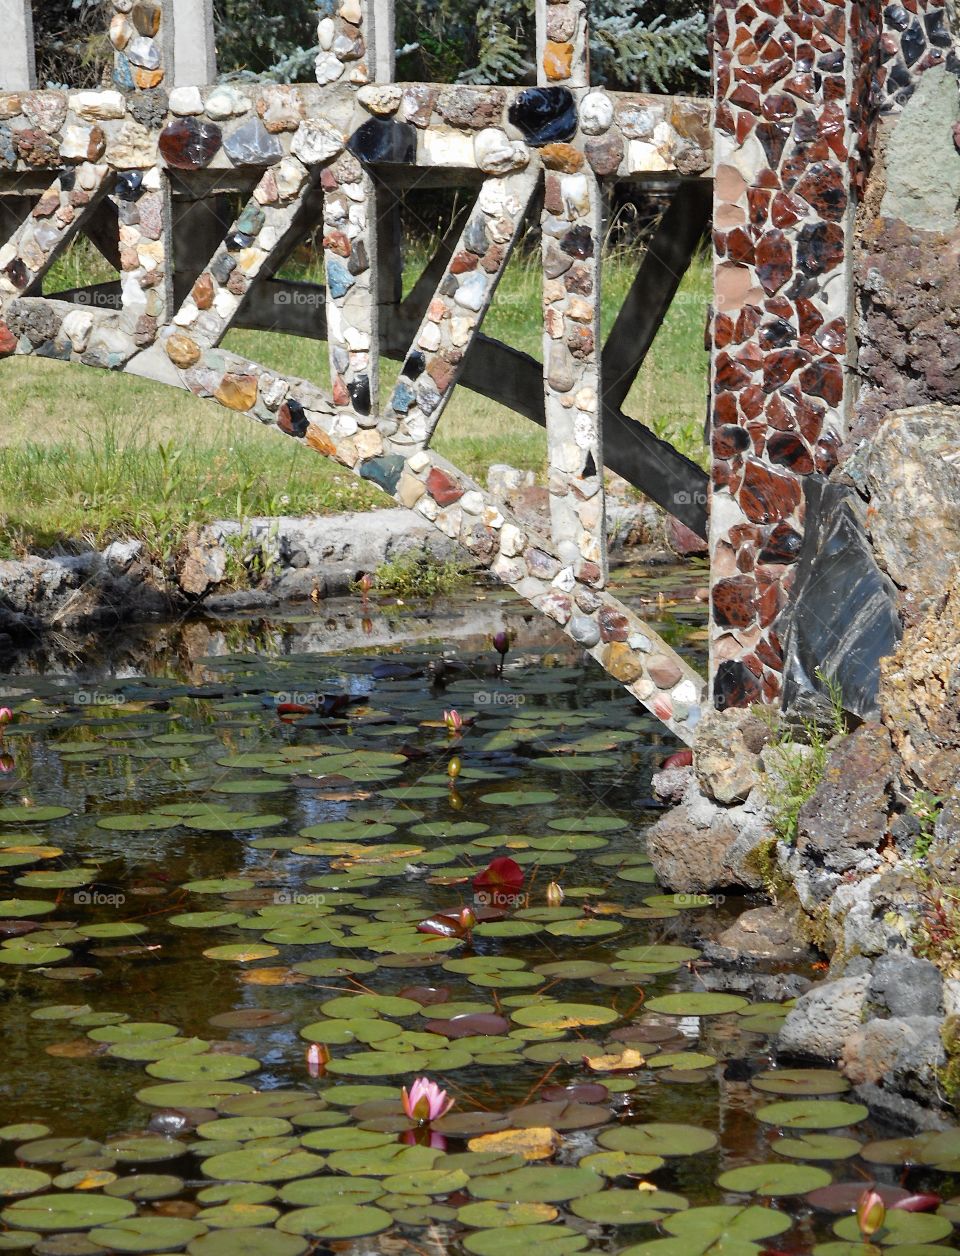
90, 455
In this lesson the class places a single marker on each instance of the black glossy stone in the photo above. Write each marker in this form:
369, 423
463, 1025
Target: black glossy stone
236, 241
895, 15
842, 616
129, 185
17, 273
578, 242
223, 268
448, 286
391, 143
777, 335
359, 390
735, 686
589, 467
475, 237
67, 179
190, 145
937, 33
899, 77
831, 62
292, 418
781, 546
913, 44
415, 365
545, 115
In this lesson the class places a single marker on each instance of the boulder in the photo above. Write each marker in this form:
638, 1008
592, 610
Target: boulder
765, 933
872, 1052
701, 846
903, 986
920, 694
824, 1018
726, 753
847, 813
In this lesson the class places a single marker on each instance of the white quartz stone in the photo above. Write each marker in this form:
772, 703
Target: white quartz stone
186, 101
440, 147
98, 106
596, 113
495, 153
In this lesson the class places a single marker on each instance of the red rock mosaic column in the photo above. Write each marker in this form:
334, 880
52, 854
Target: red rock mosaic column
782, 232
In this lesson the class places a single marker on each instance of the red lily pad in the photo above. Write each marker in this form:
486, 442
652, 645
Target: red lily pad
469, 1025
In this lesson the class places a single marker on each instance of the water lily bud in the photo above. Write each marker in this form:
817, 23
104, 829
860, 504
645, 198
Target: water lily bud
555, 894
467, 918
7, 764
453, 767
318, 1056
501, 642
871, 1213
6, 715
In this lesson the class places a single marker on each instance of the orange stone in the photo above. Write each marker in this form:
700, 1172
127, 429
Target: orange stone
237, 392
557, 60
318, 439
563, 157
203, 292
621, 662
147, 78
182, 351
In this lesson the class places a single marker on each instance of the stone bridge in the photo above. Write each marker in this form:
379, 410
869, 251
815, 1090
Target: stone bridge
780, 161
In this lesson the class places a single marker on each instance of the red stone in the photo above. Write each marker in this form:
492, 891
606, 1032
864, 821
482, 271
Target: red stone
810, 317
824, 379
340, 395
779, 306
751, 401
8, 341
768, 655
810, 419
729, 374
827, 453
780, 365
443, 488
778, 108
745, 124
463, 262
613, 624
778, 416
833, 337
722, 330
740, 246
748, 321
725, 410
822, 187
746, 97
735, 601
786, 449
187, 144
767, 496
773, 138
728, 441
758, 202
751, 356
774, 261
785, 211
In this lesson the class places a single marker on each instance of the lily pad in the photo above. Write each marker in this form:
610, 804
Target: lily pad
541, 1184
80, 1210
811, 1114
563, 1015
336, 1220
148, 1234
696, 1003
659, 1139
774, 1179
899, 1228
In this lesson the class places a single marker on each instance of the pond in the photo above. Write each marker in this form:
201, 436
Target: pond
257, 877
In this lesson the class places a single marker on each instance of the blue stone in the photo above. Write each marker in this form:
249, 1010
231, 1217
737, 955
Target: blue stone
339, 279
251, 220
403, 397
253, 145
428, 397
223, 268
8, 154
392, 143
475, 237
545, 115
122, 74
236, 241
383, 471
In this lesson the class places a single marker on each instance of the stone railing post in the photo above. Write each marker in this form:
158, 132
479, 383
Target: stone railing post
194, 43
783, 238
563, 46
18, 72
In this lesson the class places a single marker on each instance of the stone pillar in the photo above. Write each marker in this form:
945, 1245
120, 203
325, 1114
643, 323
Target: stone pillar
782, 233
346, 43
563, 44
142, 44
572, 224
18, 71
194, 44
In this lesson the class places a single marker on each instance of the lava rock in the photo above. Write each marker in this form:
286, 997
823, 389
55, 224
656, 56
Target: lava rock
903, 985
824, 1018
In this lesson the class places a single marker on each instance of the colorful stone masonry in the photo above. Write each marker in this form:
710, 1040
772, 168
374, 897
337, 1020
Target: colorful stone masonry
133, 157
798, 92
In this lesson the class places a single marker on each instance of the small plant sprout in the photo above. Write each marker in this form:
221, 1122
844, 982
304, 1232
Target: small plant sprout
425, 1101
871, 1213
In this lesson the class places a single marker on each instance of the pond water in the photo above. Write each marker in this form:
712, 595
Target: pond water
198, 885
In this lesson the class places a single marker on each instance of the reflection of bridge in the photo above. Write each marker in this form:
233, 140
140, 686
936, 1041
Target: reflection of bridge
148, 168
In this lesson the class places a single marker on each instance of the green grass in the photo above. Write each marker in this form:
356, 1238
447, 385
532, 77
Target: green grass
87, 456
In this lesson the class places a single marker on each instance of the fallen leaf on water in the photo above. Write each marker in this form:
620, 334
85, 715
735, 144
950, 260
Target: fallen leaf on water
626, 1062
539, 1143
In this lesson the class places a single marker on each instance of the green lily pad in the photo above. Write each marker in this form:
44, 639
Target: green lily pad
541, 1184
801, 1081
148, 1234
323, 1190
244, 1127
613, 1164
520, 797
22, 1181
79, 1210
263, 1164
185, 1067
517, 1240
657, 1138
250, 1242
31, 815
336, 1220
696, 1003
774, 1179
720, 1223
563, 1015
238, 1215
811, 1114
816, 1147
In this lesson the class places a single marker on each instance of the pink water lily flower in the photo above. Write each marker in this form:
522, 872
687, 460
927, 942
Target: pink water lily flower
453, 720
6, 716
426, 1101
